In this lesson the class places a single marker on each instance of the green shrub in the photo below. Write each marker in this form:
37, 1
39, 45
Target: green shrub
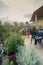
28, 56
12, 42
11, 63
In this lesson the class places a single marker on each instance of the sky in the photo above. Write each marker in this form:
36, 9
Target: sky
19, 10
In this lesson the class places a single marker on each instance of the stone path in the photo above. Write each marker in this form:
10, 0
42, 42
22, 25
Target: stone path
5, 60
39, 47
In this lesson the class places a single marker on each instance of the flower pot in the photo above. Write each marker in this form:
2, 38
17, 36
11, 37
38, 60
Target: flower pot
12, 58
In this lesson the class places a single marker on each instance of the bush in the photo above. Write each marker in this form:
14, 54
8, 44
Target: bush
11, 63
12, 43
28, 56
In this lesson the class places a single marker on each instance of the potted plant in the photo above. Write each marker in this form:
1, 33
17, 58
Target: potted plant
12, 43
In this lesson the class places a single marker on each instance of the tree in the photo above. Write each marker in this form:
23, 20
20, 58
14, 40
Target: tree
7, 30
21, 24
15, 23
27, 27
1, 31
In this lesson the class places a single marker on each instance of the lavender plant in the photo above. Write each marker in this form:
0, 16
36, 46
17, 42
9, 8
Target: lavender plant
28, 56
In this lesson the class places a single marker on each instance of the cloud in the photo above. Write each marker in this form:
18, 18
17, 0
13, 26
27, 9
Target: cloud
20, 4
3, 7
16, 9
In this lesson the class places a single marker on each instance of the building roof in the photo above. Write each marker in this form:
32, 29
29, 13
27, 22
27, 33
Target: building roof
38, 12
